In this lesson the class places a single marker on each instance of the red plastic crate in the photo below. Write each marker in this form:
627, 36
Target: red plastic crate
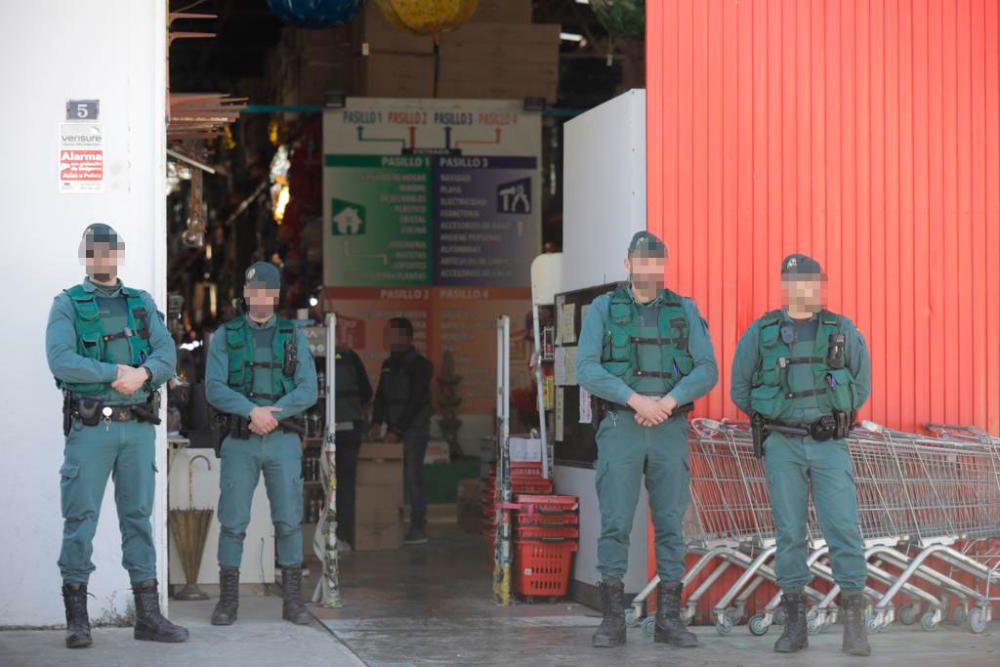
546, 531
549, 503
543, 566
522, 486
538, 519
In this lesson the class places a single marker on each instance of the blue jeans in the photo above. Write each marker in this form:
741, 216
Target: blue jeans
414, 450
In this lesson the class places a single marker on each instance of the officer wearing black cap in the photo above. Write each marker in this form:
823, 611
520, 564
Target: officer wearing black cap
109, 351
645, 355
260, 377
801, 373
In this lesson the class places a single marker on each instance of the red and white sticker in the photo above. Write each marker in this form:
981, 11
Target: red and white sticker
81, 158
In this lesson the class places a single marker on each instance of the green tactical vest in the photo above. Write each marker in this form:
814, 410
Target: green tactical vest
775, 395
347, 389
625, 339
92, 339
241, 350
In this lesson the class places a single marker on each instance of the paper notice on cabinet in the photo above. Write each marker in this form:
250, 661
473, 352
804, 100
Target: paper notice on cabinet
586, 415
567, 323
560, 366
560, 421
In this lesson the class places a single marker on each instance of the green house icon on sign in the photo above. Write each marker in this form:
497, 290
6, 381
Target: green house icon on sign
348, 218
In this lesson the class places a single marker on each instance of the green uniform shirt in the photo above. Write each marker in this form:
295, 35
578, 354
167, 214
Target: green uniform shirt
807, 409
224, 398
68, 365
592, 376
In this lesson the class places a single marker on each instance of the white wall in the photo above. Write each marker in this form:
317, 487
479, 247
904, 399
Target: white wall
605, 184
605, 204
51, 51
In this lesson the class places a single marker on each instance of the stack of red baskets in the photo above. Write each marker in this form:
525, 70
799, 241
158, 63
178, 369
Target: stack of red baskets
526, 477
546, 531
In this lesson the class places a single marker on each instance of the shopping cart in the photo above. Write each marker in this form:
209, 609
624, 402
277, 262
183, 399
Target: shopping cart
927, 506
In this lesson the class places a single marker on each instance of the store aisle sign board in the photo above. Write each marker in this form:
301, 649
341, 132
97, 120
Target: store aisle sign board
431, 192
81, 158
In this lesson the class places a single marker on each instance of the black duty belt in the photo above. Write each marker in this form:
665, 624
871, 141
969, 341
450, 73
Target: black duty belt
92, 412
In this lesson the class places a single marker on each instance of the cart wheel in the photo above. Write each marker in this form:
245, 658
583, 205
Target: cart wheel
735, 615
977, 620
648, 626
959, 616
759, 624
632, 617
724, 626
814, 621
909, 614
928, 622
779, 616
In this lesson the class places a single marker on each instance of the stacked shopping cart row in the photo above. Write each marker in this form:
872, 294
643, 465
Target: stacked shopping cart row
546, 532
929, 509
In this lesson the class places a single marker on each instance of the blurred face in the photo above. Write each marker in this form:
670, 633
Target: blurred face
399, 339
261, 301
646, 271
803, 293
102, 260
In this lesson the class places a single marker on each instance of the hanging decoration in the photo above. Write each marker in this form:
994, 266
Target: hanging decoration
315, 13
427, 17
623, 19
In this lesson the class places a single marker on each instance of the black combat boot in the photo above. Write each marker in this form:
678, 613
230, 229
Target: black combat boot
229, 596
291, 592
852, 603
611, 632
77, 620
149, 622
669, 627
796, 635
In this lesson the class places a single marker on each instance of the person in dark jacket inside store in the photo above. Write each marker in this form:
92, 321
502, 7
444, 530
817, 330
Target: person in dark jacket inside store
403, 405
353, 392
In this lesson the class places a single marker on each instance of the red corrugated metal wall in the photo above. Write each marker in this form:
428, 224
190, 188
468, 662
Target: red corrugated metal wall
863, 132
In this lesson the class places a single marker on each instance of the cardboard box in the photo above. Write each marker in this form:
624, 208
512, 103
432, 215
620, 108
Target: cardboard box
502, 11
381, 451
380, 36
378, 518
387, 474
500, 61
396, 75
438, 452
378, 537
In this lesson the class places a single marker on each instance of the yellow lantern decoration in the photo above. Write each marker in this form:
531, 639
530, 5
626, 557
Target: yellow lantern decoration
427, 17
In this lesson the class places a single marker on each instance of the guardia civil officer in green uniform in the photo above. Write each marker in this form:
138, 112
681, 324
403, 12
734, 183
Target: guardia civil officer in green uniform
801, 373
109, 352
645, 355
261, 376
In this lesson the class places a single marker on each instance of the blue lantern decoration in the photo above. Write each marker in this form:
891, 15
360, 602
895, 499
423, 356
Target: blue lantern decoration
315, 13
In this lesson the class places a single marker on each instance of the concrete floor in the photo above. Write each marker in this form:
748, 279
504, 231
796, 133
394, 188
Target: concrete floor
432, 605
259, 638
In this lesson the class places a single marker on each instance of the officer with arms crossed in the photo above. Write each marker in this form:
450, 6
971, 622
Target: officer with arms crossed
801, 373
645, 355
260, 375
109, 352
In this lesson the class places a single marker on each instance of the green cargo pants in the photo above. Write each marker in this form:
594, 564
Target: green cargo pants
125, 450
793, 464
279, 456
625, 451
